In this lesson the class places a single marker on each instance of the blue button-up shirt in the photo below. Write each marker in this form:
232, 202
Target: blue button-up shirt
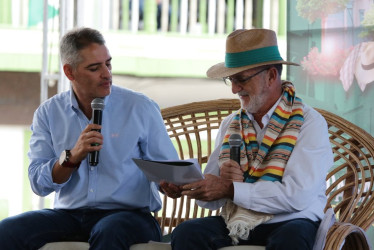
132, 127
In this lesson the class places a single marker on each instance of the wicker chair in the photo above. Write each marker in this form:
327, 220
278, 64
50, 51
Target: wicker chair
192, 128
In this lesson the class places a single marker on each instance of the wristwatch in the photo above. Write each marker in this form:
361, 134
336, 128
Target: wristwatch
64, 160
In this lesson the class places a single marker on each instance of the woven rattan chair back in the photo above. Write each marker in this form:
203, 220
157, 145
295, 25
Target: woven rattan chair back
192, 127
351, 181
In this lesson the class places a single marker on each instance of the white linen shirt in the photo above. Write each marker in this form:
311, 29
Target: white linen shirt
301, 193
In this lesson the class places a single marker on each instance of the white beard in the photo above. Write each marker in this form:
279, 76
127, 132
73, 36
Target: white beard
254, 104
255, 101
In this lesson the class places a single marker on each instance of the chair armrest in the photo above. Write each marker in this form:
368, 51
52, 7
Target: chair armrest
344, 235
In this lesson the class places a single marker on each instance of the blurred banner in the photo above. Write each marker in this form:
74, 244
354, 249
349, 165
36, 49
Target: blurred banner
36, 10
332, 40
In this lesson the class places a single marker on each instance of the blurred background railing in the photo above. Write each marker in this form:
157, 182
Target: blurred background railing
152, 38
181, 16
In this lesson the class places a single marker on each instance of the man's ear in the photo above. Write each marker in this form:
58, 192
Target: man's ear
272, 75
68, 70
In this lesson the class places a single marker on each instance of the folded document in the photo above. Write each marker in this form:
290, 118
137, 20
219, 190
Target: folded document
177, 172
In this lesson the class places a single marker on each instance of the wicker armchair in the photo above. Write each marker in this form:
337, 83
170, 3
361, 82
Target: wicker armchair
350, 183
193, 127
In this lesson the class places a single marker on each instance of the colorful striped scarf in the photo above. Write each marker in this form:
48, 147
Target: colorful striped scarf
265, 162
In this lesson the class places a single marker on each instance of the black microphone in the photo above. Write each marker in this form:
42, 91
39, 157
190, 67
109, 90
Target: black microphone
97, 106
235, 141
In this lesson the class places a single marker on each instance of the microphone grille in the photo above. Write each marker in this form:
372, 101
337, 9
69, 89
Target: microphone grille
98, 103
235, 140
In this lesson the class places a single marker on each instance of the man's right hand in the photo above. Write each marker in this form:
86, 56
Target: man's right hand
86, 142
231, 170
89, 140
171, 190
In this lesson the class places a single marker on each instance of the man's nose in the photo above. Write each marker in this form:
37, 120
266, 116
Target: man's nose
235, 88
106, 72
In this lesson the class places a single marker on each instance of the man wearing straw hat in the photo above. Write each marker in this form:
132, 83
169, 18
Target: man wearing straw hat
276, 196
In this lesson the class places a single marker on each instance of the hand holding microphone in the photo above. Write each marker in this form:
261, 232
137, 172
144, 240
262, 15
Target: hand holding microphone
229, 170
97, 106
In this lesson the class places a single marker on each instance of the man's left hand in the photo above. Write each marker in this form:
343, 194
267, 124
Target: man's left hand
210, 189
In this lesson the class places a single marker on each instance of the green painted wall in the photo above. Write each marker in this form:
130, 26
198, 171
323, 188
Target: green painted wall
140, 54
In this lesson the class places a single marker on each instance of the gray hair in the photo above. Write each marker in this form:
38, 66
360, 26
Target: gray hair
74, 41
279, 68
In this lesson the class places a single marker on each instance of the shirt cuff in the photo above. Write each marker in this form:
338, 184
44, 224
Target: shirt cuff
241, 194
56, 186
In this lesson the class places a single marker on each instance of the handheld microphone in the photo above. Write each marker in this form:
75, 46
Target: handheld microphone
97, 106
235, 141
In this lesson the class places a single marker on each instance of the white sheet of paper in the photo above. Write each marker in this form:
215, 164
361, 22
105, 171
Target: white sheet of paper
177, 172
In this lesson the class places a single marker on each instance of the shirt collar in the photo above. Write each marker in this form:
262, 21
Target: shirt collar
74, 102
73, 99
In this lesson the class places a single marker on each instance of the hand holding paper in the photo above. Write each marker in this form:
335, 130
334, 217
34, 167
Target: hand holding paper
176, 172
170, 189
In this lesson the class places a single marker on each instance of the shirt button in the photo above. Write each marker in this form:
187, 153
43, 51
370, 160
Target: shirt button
91, 190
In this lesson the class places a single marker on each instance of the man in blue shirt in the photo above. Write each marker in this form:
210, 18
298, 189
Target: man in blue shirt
108, 205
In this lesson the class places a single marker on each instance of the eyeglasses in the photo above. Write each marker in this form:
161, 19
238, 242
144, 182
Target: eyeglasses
229, 80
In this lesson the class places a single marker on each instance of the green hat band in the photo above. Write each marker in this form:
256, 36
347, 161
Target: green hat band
250, 57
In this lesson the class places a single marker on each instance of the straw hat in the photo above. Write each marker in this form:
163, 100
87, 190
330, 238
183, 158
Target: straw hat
365, 65
247, 49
